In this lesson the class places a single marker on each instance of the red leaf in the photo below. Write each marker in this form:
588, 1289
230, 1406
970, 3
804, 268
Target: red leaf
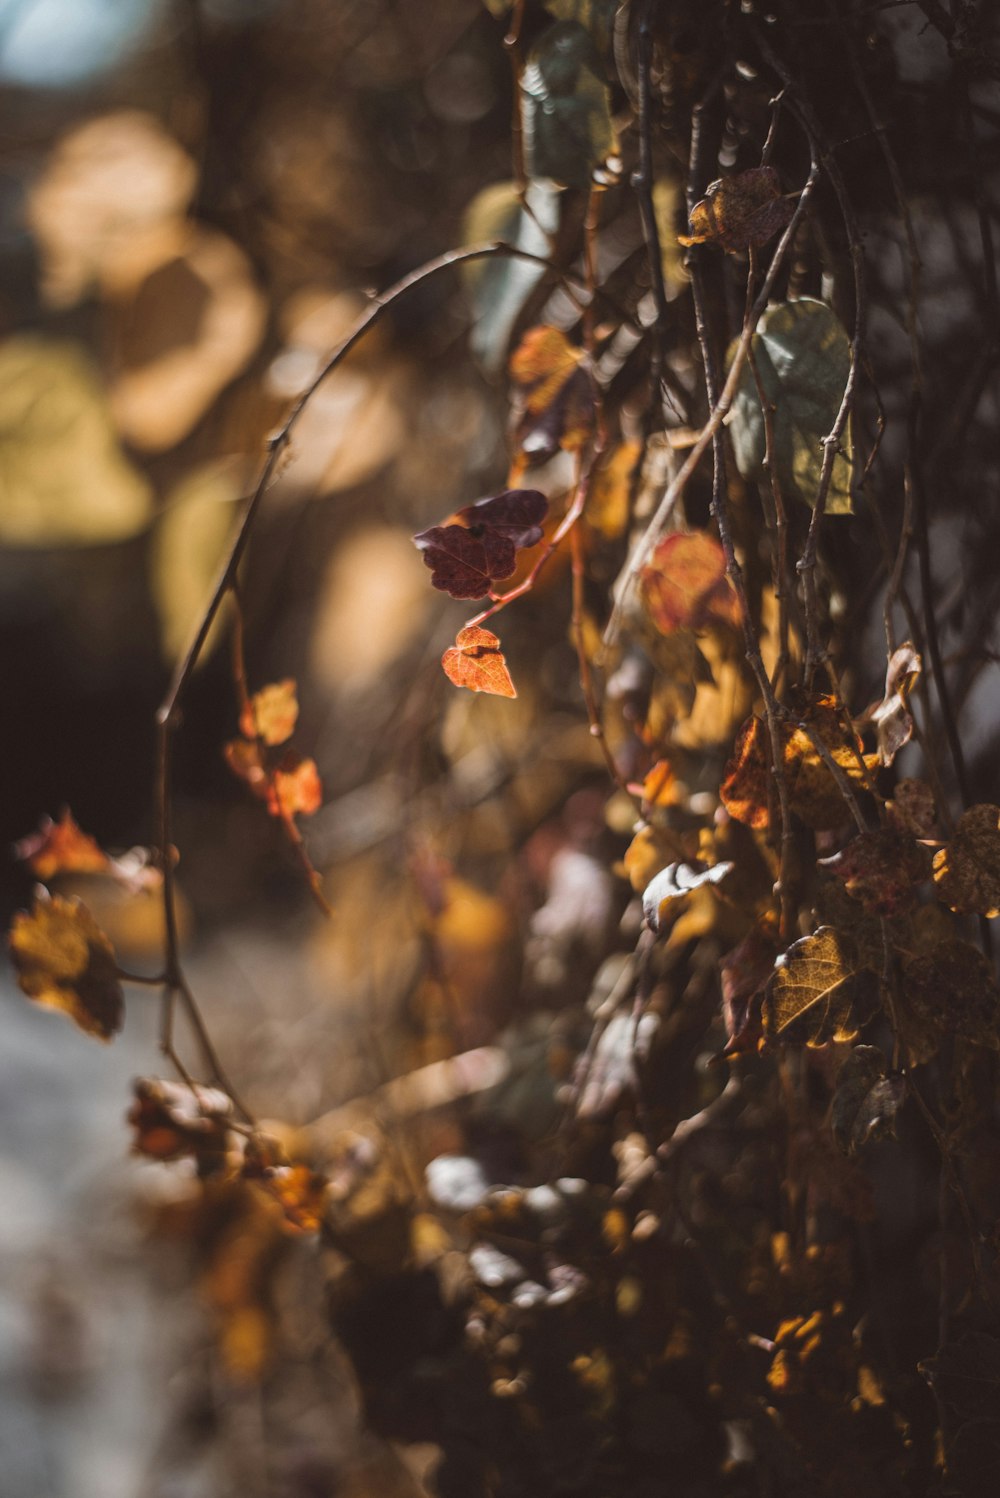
466, 559
475, 662
685, 585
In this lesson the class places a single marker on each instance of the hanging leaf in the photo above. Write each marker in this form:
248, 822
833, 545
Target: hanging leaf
271, 713
740, 211
674, 883
967, 871
685, 586
607, 509
61, 848
177, 1119
565, 111
294, 789
555, 381
746, 781
803, 359
479, 548
865, 1100
743, 973
891, 717
819, 991
475, 662
882, 870
951, 988
912, 808
813, 789
63, 960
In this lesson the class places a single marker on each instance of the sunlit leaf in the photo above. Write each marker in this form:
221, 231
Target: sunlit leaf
819, 991
177, 1119
63, 960
271, 713
301, 1193
467, 558
61, 848
294, 789
803, 360
891, 717
813, 789
685, 586
865, 1100
674, 883
555, 381
740, 211
565, 106
475, 662
967, 870
747, 785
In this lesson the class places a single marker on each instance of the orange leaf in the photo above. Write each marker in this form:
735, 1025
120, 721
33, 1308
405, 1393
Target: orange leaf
608, 502
746, 782
684, 585
271, 713
475, 662
173, 1119
301, 1193
559, 399
64, 961
295, 788
61, 848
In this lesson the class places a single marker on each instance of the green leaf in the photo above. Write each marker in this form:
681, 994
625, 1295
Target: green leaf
564, 100
598, 16
803, 359
865, 1100
499, 288
820, 991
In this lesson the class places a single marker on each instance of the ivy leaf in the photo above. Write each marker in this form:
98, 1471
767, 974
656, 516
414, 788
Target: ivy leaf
912, 808
865, 1100
468, 557
63, 960
967, 870
271, 713
743, 973
565, 110
952, 987
676, 882
740, 211
555, 382
881, 870
803, 359
173, 1120
475, 662
819, 991
294, 789
61, 848
813, 791
746, 781
684, 585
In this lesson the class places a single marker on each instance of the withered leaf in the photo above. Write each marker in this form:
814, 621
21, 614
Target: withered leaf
475, 662
684, 585
813, 789
468, 557
271, 713
676, 882
820, 991
175, 1119
865, 1100
743, 973
952, 987
891, 717
555, 380
740, 211
882, 869
302, 1194
63, 960
61, 848
294, 789
607, 509
912, 808
967, 870
746, 781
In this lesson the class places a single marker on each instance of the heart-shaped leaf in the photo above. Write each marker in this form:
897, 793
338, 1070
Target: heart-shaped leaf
475, 662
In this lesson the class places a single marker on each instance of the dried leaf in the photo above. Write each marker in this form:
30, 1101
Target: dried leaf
607, 509
475, 662
967, 870
912, 809
468, 557
302, 1194
685, 586
743, 973
747, 786
819, 991
555, 381
63, 960
803, 359
865, 1100
891, 716
271, 713
740, 211
660, 787
882, 870
813, 790
61, 848
674, 883
175, 1119
952, 988
611, 1071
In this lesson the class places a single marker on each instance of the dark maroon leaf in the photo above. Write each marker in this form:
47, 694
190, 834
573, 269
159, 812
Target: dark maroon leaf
516, 514
467, 559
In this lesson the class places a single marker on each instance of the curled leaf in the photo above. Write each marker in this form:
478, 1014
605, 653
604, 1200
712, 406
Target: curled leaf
674, 883
475, 662
741, 211
865, 1100
746, 788
820, 991
967, 870
271, 713
63, 960
555, 382
743, 973
684, 585
891, 716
